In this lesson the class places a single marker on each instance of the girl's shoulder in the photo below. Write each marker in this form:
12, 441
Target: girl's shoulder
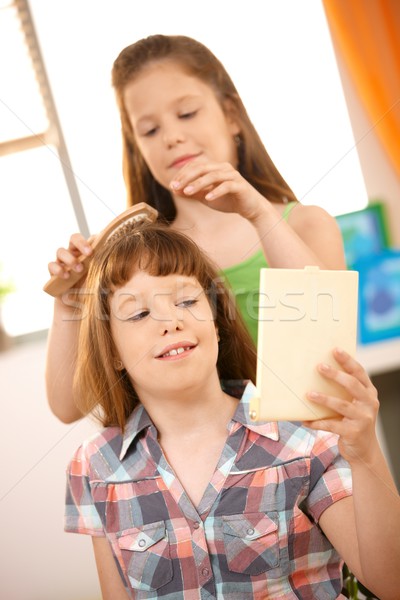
320, 231
302, 216
103, 445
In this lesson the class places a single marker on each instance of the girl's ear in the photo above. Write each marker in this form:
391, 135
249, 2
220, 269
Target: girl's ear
118, 364
232, 117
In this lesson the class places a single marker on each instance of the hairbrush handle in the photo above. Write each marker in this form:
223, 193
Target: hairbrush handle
142, 212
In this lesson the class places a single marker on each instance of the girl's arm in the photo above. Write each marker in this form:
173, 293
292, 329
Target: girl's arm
112, 587
63, 338
60, 363
365, 529
310, 237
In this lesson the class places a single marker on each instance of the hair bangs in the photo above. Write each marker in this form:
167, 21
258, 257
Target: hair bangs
155, 249
164, 256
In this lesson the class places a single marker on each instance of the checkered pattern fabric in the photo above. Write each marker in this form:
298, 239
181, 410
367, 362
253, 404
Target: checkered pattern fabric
255, 533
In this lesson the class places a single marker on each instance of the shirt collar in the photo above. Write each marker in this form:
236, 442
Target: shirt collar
137, 422
245, 391
241, 389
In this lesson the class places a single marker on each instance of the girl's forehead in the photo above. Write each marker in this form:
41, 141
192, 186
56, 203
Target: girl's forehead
165, 82
164, 66
143, 281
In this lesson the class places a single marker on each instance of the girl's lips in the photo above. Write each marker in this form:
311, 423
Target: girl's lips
183, 160
175, 357
176, 351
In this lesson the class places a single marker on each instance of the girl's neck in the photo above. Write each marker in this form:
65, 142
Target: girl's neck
191, 412
223, 236
194, 216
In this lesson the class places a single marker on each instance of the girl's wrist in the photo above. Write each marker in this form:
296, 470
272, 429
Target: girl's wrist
368, 459
264, 213
66, 307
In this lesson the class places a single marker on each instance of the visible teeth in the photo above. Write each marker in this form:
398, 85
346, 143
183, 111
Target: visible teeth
176, 351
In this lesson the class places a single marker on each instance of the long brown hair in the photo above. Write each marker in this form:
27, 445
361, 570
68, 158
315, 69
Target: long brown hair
254, 162
158, 250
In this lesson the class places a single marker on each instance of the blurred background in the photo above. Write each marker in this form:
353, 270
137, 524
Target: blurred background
321, 82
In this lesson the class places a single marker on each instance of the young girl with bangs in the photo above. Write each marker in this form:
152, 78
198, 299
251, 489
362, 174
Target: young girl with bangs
191, 151
186, 498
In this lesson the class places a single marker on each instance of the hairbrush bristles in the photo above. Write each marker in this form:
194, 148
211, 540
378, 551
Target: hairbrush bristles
121, 225
126, 228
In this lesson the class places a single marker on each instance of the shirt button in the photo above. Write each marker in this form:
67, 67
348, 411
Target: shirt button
205, 572
142, 543
250, 531
196, 525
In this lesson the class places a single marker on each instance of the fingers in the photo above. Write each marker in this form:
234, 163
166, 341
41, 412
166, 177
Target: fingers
351, 366
194, 178
356, 418
353, 377
332, 425
343, 407
58, 270
226, 187
364, 403
67, 258
364, 397
353, 386
79, 245
353, 419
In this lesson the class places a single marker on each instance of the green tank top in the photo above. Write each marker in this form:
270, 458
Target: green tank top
244, 280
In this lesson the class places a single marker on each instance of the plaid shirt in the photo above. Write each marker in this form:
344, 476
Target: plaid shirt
255, 532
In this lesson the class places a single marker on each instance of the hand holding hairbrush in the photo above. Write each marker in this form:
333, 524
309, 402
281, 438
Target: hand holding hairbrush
140, 213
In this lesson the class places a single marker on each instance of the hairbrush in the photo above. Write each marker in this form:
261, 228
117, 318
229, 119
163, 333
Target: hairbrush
139, 213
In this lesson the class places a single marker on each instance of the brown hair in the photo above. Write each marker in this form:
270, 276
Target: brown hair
158, 250
254, 162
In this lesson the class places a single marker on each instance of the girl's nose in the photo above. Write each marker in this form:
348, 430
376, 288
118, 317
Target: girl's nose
173, 135
170, 323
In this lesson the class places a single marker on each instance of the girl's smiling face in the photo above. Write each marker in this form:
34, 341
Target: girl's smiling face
164, 333
177, 118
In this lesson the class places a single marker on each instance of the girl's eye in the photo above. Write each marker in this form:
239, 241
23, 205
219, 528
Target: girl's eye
150, 132
188, 115
139, 316
187, 303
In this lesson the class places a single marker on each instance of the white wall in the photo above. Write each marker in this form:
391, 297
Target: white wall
38, 561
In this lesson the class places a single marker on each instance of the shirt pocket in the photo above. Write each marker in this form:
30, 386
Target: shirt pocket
251, 542
146, 557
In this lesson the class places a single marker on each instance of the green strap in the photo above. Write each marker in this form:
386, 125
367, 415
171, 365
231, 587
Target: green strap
288, 208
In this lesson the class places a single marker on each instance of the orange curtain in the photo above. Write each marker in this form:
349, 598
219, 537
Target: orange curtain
367, 34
